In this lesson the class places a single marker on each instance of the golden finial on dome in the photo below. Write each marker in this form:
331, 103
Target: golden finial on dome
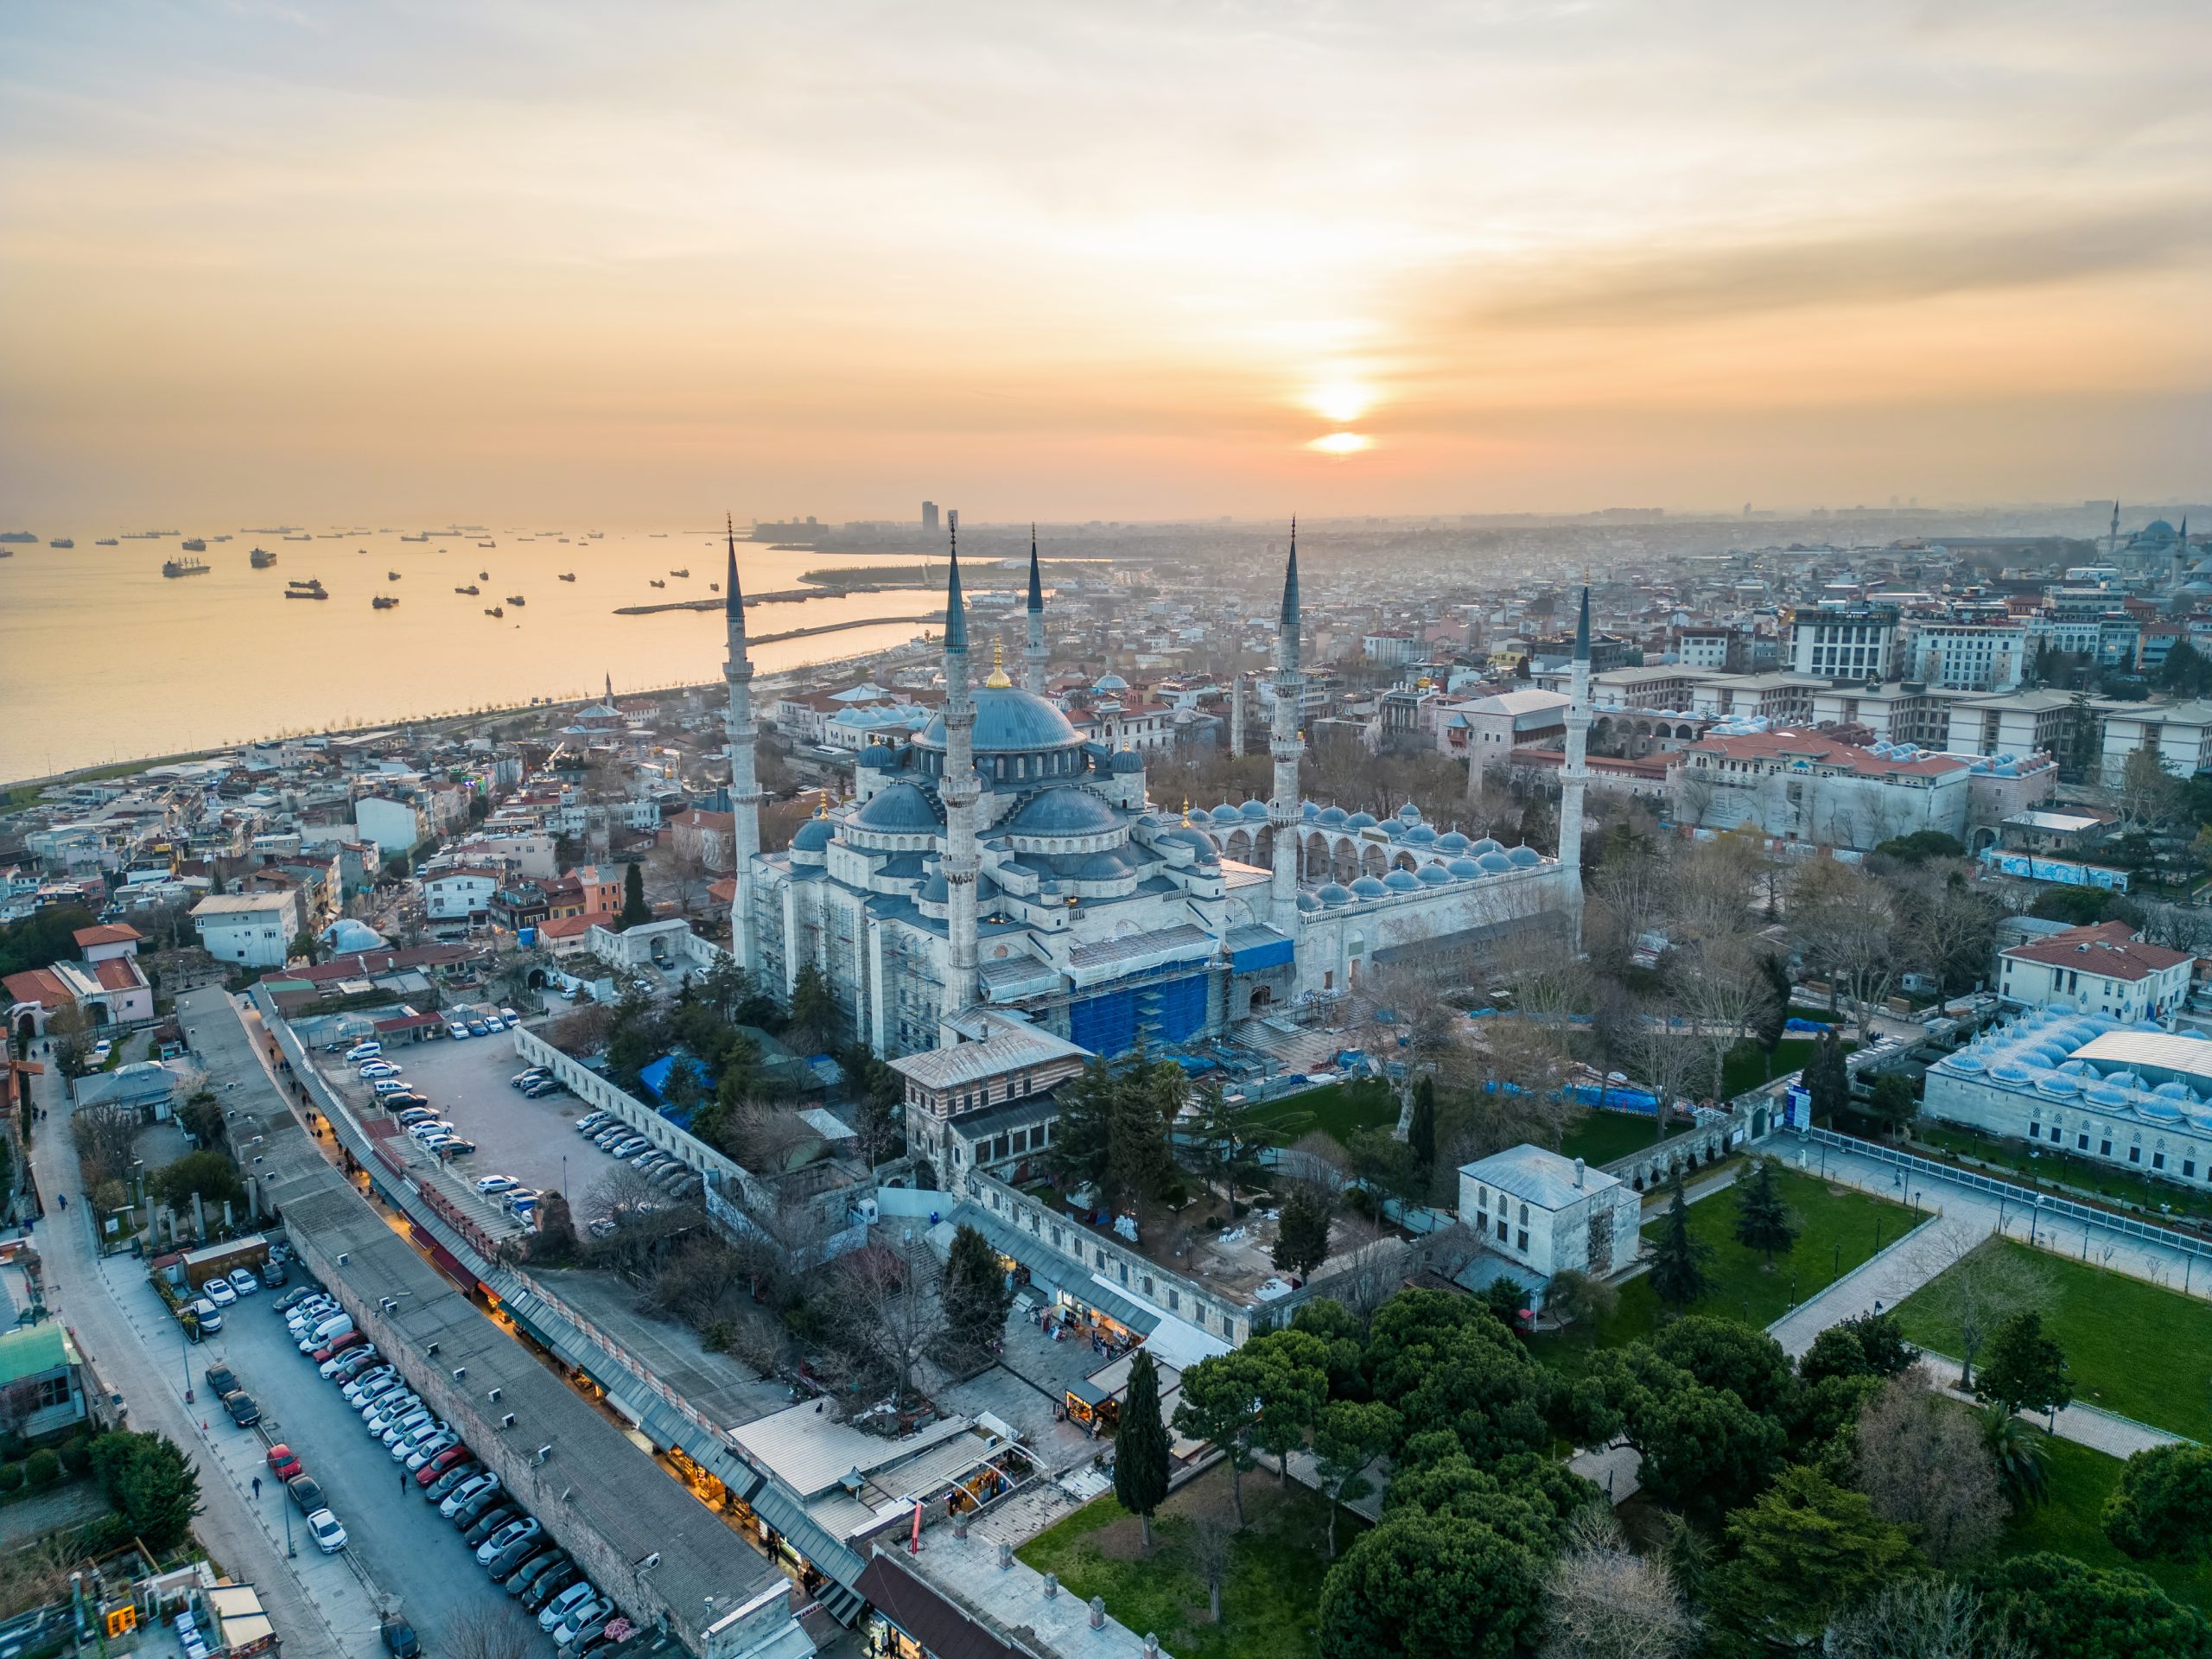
998, 666
1186, 809
822, 807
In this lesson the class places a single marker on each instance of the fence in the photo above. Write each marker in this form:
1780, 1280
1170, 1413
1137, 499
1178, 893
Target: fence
2027, 1197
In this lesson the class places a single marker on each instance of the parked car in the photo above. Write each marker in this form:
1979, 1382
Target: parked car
410, 1099
454, 1479
357, 1365
306, 1492
508, 1562
403, 1444
376, 1069
221, 1380
455, 1030
522, 1079
577, 1595
510, 1019
207, 1318
388, 1411
490, 1184
490, 1521
544, 1087
468, 1492
548, 1585
340, 1349
477, 1508
399, 1638
453, 1146
370, 1384
292, 1299
244, 1282
328, 1533
580, 1618
591, 1122
218, 1292
520, 1199
272, 1273
405, 1422
243, 1410
514, 1533
534, 1569
360, 1052
415, 1115
324, 1334
446, 1457
284, 1463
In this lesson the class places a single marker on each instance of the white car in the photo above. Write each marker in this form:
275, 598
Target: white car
492, 1184
468, 1492
421, 1420
328, 1533
455, 1030
510, 1018
577, 1595
392, 1410
580, 1617
361, 1052
376, 1069
329, 1367
423, 1450
218, 1292
244, 1282
369, 1384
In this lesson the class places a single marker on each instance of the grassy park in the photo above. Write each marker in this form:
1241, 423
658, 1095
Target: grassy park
1340, 1110
2134, 1348
1272, 1592
1839, 1228
1598, 1137
2069, 1521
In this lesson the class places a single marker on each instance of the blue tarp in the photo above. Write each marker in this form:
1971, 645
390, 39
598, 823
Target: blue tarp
1617, 1098
1275, 953
1812, 1027
655, 1077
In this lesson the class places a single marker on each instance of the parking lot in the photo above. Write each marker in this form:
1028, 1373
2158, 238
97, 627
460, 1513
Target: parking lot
532, 1141
396, 1536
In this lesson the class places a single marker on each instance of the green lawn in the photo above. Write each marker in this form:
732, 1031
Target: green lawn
2137, 1349
2070, 1522
2051, 1167
1270, 1601
1747, 1066
1598, 1137
1338, 1109
1839, 1229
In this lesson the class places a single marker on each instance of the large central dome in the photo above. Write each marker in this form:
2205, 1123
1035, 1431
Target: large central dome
1009, 720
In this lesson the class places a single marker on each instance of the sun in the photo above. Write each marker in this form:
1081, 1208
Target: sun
1342, 444
1341, 401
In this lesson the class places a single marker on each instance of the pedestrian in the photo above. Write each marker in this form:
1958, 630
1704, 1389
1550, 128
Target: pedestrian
257, 1486
403, 1482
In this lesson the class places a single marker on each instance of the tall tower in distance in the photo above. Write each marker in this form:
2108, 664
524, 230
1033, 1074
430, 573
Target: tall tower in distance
1033, 650
744, 775
1283, 745
1574, 776
1235, 711
929, 517
959, 791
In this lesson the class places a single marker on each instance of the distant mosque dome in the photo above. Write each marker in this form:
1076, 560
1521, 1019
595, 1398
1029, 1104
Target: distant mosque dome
1334, 816
1525, 858
1360, 820
1109, 683
1453, 842
1254, 809
1486, 845
1464, 869
2156, 531
1333, 895
815, 835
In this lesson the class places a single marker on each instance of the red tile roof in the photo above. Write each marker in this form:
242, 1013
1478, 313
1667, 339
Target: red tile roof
2109, 949
106, 933
568, 927
1821, 751
117, 974
40, 986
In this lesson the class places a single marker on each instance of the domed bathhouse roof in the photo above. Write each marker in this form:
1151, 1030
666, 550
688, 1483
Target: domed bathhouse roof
1333, 895
898, 809
1254, 810
1367, 887
1010, 721
1464, 869
1308, 811
1333, 816
1109, 683
1486, 845
1453, 842
1360, 820
1225, 814
1307, 901
1433, 875
1409, 813
1069, 811
1420, 834
1525, 858
1495, 863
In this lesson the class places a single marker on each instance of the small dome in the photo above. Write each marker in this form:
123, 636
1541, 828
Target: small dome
1961, 1062
1400, 882
1308, 811
2124, 1080
935, 891
1433, 875
1063, 812
1464, 869
1495, 863
2102, 1095
1332, 817
1486, 845
1193, 837
2057, 1087
1307, 901
1256, 811
1420, 834
1360, 820
901, 809
2013, 1071
1126, 761
1409, 813
878, 756
1332, 895
1109, 683
2159, 1111
1224, 814
1453, 842
1525, 858
814, 836
1367, 887
2175, 1090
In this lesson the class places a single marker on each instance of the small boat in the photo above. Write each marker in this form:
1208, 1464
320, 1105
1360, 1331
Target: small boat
183, 568
106, 541
595, 535
686, 574
472, 590
311, 588
657, 582
483, 575
195, 545
66, 542
424, 537
514, 599
383, 603
299, 538
261, 559
487, 543
714, 586
392, 575
494, 610
566, 576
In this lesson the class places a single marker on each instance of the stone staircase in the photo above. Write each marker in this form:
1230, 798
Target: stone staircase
1294, 1048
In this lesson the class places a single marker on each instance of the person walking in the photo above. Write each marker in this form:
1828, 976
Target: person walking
257, 1486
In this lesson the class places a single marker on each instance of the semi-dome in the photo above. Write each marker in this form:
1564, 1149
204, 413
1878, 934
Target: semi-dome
1069, 811
936, 891
1367, 887
1333, 894
1103, 867
1525, 858
898, 809
1254, 809
1400, 882
1433, 875
814, 836
1009, 720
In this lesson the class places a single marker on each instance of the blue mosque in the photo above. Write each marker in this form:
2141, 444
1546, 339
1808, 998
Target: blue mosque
998, 861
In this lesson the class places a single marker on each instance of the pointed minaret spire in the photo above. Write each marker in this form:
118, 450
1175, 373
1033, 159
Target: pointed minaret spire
744, 770
958, 791
1285, 745
1574, 773
733, 601
1290, 581
956, 610
610, 690
1582, 628
1033, 649
1036, 583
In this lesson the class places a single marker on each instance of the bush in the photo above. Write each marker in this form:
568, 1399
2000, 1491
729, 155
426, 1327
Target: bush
77, 1454
42, 1469
11, 1477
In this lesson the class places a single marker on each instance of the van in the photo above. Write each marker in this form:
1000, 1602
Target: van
338, 1324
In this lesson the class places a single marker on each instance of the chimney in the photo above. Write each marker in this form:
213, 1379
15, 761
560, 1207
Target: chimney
1578, 1174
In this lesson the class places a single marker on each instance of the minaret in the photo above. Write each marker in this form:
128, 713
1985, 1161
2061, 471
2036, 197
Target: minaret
959, 790
1237, 711
1033, 652
1284, 746
610, 678
744, 778
1575, 775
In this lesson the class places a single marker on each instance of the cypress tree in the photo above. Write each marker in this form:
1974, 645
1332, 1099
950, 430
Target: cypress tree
1141, 1447
1421, 1133
634, 908
1762, 1221
1678, 1260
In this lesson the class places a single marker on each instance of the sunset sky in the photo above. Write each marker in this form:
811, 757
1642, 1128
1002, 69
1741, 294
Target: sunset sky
637, 263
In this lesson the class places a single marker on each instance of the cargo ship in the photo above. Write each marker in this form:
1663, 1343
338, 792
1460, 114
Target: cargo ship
566, 576
685, 574
392, 575
105, 541
383, 602
64, 542
261, 559
197, 544
183, 568
472, 590
311, 588
514, 599
494, 610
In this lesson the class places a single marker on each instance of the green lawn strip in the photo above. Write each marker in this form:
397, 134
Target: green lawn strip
2134, 1348
1747, 1066
1269, 1605
1340, 1110
2052, 1168
2070, 1522
1599, 1136
1839, 1231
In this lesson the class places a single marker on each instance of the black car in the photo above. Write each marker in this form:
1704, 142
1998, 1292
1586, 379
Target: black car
221, 1381
515, 1556
240, 1404
489, 1523
399, 1638
534, 1569
458, 1475
473, 1511
272, 1274
306, 1492
548, 1585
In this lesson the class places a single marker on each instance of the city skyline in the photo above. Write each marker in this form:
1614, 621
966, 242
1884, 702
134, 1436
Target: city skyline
531, 262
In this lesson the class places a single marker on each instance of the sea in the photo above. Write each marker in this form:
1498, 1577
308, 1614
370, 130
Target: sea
102, 659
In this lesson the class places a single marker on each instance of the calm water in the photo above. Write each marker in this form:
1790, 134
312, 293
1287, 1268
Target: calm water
102, 658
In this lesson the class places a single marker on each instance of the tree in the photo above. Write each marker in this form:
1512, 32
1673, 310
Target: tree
1922, 1463
2143, 791
209, 1176
1870, 1344
977, 1298
486, 1633
1678, 1259
1219, 1406
1771, 1019
1704, 1450
1141, 1447
1722, 1354
1302, 1232
1924, 1617
882, 1317
1347, 1436
1421, 1583
2162, 1505
2017, 1451
1421, 1132
1602, 1600
1987, 1280
635, 911
1763, 1222
2026, 1369
201, 1117
1894, 1104
1226, 1138
1803, 1552
554, 1243
2064, 1609
1213, 1552
1289, 1375
151, 1484
816, 1020
1578, 1301
1826, 1078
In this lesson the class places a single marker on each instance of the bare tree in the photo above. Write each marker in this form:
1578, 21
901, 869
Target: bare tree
1985, 1282
1213, 1551
1843, 920
1667, 1053
584, 1032
1723, 991
2142, 791
1922, 1464
887, 1313
1602, 1600
483, 1633
105, 1136
1712, 884
1923, 1617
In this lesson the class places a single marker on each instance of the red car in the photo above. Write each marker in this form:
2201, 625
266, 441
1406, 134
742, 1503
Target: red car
437, 1465
350, 1340
284, 1463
